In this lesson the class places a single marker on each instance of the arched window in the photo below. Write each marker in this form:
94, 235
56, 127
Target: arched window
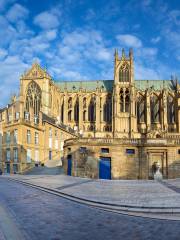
70, 115
155, 109
84, 116
141, 109
76, 111
107, 110
92, 110
127, 101
124, 73
84, 102
70, 102
124, 100
121, 100
33, 97
170, 110
62, 112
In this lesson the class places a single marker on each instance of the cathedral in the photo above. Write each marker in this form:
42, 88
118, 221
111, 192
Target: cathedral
109, 129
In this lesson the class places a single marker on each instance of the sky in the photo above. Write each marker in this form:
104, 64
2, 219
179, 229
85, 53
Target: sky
75, 39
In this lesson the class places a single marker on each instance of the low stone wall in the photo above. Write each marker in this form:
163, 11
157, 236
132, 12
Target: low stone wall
130, 158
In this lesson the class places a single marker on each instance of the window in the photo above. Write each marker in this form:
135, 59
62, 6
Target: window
8, 155
27, 116
15, 136
56, 139
50, 137
28, 136
130, 151
50, 132
28, 156
105, 150
33, 97
124, 73
17, 115
70, 116
50, 155
8, 137
36, 156
9, 117
36, 138
15, 154
82, 149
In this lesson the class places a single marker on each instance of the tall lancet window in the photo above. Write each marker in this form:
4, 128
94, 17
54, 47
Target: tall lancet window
155, 109
124, 73
127, 101
170, 109
33, 97
141, 109
121, 100
92, 110
76, 110
107, 110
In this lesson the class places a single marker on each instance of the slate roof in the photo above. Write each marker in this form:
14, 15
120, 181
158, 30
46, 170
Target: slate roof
107, 85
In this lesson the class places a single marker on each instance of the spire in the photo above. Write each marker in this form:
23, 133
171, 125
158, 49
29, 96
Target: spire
123, 54
116, 55
131, 53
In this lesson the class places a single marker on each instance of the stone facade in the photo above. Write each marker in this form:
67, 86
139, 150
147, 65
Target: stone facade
132, 123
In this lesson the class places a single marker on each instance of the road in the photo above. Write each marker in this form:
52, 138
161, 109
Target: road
40, 216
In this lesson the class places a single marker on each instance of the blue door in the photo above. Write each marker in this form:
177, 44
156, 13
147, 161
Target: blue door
69, 158
105, 168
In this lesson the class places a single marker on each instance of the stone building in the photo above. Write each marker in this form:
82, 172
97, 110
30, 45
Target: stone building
114, 129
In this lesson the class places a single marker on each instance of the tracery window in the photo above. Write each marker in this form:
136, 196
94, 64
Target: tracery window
170, 109
70, 116
107, 110
33, 97
127, 101
70, 102
76, 111
121, 100
92, 110
84, 116
62, 112
124, 73
141, 109
84, 102
155, 109
124, 100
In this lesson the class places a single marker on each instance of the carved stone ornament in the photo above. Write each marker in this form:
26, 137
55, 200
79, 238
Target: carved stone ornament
36, 72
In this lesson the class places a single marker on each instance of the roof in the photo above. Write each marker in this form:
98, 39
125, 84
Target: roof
88, 85
107, 85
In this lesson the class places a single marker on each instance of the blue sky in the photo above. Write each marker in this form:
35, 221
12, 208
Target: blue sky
75, 39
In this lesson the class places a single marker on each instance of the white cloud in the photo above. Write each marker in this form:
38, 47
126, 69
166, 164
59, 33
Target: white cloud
3, 53
51, 34
174, 16
129, 40
17, 12
11, 69
47, 20
4, 4
156, 39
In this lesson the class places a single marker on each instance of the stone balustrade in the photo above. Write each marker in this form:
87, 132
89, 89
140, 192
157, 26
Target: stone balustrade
132, 141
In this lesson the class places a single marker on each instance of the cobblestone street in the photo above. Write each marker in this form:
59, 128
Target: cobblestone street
40, 215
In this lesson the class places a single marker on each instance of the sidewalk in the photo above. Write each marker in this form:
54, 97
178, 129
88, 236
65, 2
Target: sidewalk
8, 228
134, 193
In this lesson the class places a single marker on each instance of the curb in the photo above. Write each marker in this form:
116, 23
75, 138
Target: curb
168, 213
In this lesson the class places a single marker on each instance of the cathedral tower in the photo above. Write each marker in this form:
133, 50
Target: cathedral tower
124, 117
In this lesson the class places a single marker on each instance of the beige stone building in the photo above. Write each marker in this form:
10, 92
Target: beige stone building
114, 129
